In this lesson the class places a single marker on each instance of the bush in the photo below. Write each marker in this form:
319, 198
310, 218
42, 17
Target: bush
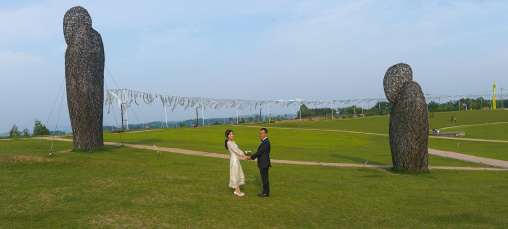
40, 129
14, 132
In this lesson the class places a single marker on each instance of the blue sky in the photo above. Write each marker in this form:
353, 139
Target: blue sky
252, 50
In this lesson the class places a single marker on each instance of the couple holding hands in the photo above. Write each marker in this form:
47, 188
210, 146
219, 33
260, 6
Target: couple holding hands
236, 177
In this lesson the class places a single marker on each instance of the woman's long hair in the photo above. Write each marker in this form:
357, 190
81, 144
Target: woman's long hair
227, 133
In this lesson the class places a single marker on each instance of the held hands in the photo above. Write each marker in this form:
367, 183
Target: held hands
248, 158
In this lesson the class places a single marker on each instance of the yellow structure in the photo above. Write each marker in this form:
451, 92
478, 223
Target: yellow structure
494, 97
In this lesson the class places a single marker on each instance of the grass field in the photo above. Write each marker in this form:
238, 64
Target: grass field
297, 145
443, 119
379, 124
497, 131
125, 187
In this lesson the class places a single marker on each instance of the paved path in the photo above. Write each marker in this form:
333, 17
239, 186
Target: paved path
356, 132
470, 158
470, 139
479, 124
458, 156
218, 155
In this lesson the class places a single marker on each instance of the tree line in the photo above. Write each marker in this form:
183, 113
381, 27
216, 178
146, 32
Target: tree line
39, 129
380, 108
384, 108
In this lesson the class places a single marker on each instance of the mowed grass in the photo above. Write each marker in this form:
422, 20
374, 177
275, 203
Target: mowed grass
476, 118
443, 119
495, 131
124, 187
296, 145
374, 124
494, 150
379, 124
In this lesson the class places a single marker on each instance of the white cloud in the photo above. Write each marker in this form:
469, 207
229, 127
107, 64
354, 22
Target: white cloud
36, 22
17, 58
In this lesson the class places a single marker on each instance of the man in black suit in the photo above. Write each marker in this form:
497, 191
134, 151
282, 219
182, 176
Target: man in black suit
263, 156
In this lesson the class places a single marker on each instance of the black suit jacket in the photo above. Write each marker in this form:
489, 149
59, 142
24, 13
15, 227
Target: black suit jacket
263, 154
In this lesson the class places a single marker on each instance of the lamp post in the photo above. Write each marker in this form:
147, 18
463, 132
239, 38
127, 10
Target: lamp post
331, 108
300, 106
268, 112
292, 114
197, 117
166, 114
122, 108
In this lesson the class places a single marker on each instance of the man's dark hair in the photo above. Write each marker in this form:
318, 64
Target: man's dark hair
266, 131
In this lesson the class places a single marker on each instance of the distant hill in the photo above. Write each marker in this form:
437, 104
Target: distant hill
4, 134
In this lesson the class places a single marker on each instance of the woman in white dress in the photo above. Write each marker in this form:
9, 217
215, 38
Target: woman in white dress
236, 177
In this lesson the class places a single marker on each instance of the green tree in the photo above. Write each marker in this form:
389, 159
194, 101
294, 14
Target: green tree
230, 120
26, 133
306, 112
433, 106
250, 119
182, 124
40, 129
216, 123
14, 132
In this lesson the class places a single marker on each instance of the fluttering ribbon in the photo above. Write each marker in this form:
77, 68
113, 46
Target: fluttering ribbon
127, 96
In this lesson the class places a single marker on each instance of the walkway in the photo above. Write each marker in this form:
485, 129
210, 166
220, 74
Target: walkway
458, 156
357, 132
479, 124
226, 156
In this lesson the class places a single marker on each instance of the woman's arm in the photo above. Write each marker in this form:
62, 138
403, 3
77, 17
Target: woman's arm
235, 149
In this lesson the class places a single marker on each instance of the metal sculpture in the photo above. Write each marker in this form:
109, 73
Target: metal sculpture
409, 128
84, 75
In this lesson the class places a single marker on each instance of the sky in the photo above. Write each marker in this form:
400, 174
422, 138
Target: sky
312, 50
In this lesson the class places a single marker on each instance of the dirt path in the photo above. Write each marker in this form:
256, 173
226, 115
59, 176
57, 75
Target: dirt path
226, 156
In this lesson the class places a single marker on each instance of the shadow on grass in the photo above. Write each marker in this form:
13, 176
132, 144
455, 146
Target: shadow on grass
145, 141
258, 182
463, 217
105, 148
406, 172
180, 163
356, 159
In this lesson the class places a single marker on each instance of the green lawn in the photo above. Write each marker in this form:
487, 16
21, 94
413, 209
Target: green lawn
497, 131
492, 150
440, 120
443, 119
374, 124
297, 145
379, 124
125, 187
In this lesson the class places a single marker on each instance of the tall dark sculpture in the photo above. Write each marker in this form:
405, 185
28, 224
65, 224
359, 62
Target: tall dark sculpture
84, 75
409, 124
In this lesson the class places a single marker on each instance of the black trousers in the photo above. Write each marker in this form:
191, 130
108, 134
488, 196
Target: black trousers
266, 181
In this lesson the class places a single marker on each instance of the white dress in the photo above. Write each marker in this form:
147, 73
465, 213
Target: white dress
236, 177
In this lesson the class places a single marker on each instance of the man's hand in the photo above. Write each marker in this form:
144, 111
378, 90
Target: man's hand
248, 158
